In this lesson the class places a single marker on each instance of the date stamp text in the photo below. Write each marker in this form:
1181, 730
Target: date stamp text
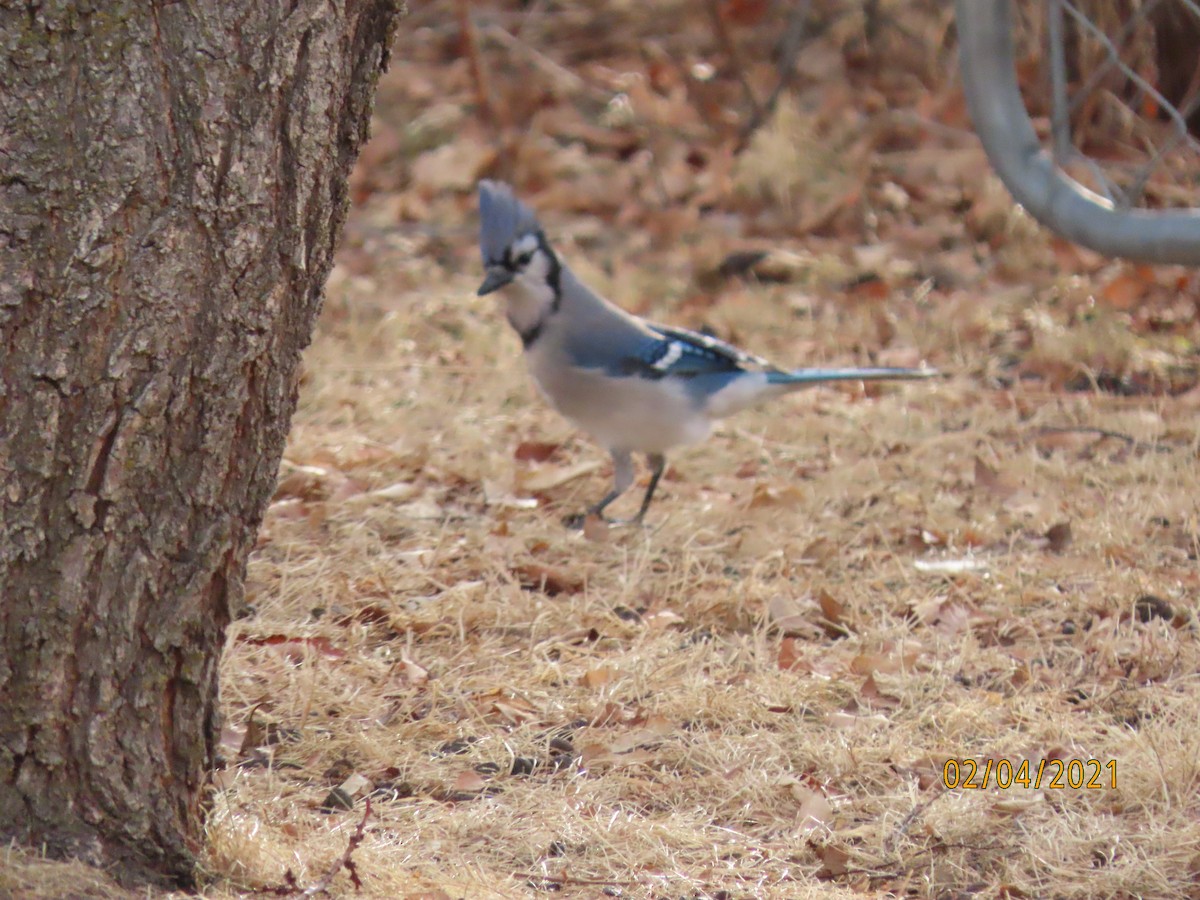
1051, 774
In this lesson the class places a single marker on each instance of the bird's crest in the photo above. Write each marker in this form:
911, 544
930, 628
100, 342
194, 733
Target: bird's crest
502, 220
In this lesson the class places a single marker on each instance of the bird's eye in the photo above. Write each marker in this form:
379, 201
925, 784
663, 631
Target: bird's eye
524, 258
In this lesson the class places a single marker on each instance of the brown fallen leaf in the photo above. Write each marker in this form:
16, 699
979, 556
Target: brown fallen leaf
655, 724
929, 609
412, 673
832, 613
598, 678
355, 785
1125, 556
397, 492
921, 539
306, 482
550, 580
256, 735
815, 811
626, 758
1149, 607
547, 477
1058, 537
1011, 892
595, 529
928, 770
992, 481
748, 469
454, 166
787, 614
295, 648
608, 713
766, 495
1014, 804
469, 781
536, 451
820, 550
891, 660
662, 619
790, 658
233, 744
775, 265
1127, 289
844, 721
651, 734
589, 753
956, 617
744, 12
874, 695
834, 862
498, 703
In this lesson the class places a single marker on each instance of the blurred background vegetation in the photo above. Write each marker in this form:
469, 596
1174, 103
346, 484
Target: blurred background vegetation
684, 148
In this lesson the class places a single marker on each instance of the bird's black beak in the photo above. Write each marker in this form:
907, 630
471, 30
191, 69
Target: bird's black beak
495, 278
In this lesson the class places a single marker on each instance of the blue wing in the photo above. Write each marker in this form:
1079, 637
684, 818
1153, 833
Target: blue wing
679, 353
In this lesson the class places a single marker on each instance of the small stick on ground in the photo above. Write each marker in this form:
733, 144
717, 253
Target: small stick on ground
567, 880
1104, 433
1088, 429
889, 846
345, 862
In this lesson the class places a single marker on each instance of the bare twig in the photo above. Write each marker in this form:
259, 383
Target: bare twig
567, 880
1163, 445
345, 862
562, 76
789, 49
1088, 429
729, 48
907, 863
889, 845
907, 117
470, 38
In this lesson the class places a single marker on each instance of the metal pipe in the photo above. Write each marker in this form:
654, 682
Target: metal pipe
1060, 203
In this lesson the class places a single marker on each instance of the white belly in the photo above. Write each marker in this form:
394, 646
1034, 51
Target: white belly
621, 413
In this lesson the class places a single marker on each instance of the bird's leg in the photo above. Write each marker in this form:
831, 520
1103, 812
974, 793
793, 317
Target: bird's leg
622, 479
658, 463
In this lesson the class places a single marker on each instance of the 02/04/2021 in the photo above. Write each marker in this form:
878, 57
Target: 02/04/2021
972, 774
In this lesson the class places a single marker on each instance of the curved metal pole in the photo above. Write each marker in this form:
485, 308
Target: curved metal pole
1057, 201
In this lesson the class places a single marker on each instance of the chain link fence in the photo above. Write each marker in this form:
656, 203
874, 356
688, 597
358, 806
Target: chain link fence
1089, 111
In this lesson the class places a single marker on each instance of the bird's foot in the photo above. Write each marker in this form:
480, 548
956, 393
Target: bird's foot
577, 521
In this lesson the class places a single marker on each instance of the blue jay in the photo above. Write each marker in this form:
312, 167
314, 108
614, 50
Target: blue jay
635, 387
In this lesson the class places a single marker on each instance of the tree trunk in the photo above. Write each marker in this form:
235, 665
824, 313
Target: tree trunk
172, 179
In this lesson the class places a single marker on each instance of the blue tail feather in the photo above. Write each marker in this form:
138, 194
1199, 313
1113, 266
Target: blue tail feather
817, 376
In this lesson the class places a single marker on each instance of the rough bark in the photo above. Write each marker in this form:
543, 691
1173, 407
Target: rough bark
172, 179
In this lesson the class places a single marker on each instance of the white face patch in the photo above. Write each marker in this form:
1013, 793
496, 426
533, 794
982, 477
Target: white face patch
525, 244
529, 296
536, 273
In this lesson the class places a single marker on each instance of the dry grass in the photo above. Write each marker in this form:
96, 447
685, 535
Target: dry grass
707, 751
701, 764
755, 695
720, 739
